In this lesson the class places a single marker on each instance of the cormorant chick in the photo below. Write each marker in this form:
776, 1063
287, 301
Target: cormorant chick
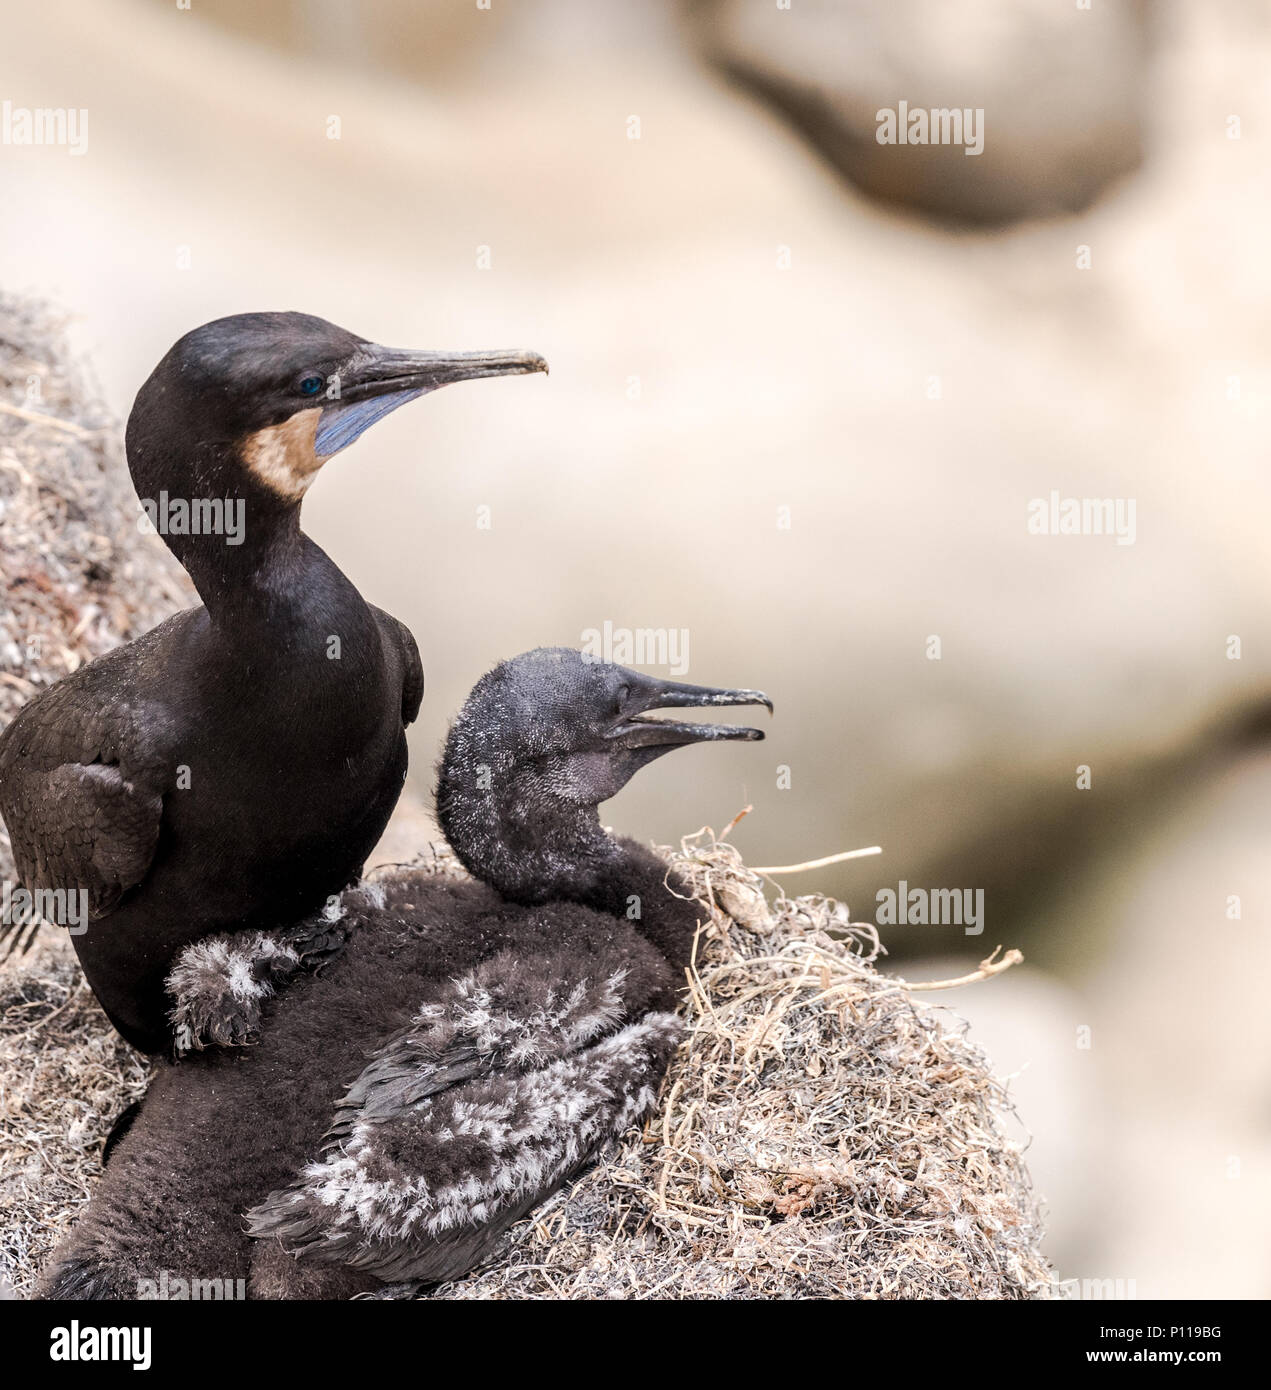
512, 1026
235, 765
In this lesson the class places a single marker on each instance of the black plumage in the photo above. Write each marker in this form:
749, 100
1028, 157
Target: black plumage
469, 1050
235, 765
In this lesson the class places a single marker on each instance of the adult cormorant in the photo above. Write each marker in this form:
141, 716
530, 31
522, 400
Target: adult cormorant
235, 765
512, 1026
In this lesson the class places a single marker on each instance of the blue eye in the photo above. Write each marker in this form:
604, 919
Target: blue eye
311, 385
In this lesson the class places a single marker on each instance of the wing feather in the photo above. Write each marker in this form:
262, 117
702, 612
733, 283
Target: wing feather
81, 794
401, 645
495, 1094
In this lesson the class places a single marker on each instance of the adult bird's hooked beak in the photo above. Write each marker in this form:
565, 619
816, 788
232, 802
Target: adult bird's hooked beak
379, 379
633, 731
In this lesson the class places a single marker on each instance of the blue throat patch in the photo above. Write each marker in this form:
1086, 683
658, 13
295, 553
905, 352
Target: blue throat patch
342, 422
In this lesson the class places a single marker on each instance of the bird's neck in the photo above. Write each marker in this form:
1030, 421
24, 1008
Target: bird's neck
566, 856
236, 535
243, 572
528, 856
267, 579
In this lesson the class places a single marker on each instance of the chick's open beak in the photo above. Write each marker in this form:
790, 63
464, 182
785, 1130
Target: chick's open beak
635, 731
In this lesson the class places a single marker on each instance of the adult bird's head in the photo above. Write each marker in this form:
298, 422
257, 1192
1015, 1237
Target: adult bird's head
251, 406
541, 741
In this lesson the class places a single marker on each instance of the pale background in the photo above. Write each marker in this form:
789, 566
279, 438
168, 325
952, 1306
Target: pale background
807, 387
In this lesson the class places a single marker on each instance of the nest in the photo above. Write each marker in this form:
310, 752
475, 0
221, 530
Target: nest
79, 577
65, 1075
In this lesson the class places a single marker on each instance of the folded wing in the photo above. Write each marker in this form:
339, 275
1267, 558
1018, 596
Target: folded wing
81, 793
503, 1086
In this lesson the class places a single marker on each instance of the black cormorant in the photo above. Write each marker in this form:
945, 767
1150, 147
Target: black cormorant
236, 764
512, 1026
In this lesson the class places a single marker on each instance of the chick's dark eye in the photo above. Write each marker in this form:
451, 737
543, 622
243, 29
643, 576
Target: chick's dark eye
311, 385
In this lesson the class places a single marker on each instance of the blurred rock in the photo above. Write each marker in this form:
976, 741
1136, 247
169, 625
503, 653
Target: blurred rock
1175, 1006
423, 37
1060, 89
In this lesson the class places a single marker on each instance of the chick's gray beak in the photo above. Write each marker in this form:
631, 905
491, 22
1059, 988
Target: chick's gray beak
635, 731
378, 380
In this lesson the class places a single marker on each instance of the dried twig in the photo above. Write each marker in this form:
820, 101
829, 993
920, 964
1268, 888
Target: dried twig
988, 968
36, 417
772, 871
